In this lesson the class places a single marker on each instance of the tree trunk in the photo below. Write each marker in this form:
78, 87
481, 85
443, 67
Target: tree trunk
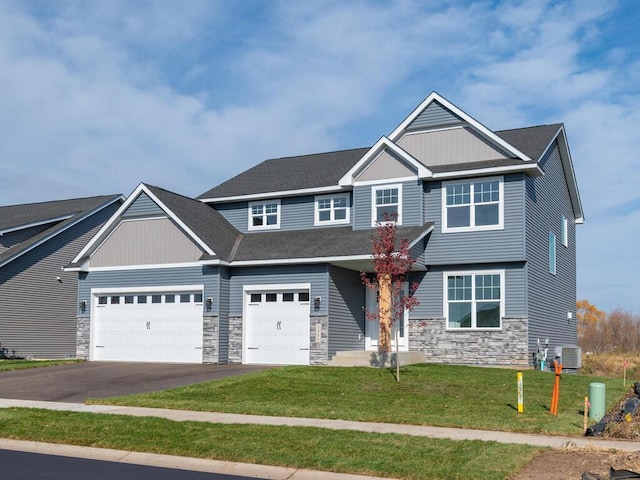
385, 312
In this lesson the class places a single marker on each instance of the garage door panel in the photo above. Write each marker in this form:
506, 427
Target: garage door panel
277, 327
147, 328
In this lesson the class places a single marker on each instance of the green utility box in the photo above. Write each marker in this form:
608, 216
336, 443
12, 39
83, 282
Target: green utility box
597, 399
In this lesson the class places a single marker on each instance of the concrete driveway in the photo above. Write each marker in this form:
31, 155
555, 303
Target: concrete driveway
78, 381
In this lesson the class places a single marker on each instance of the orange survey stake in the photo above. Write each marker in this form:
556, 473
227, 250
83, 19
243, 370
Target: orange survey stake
556, 389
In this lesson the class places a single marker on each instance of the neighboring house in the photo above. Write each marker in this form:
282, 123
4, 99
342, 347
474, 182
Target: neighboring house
265, 268
38, 300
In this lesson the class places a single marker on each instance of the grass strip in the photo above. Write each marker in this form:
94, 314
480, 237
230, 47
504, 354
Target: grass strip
438, 395
6, 365
387, 455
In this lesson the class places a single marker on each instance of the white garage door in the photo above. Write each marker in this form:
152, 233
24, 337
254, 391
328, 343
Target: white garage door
277, 327
155, 327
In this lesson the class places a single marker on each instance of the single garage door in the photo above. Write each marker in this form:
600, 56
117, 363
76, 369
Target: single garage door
277, 327
154, 327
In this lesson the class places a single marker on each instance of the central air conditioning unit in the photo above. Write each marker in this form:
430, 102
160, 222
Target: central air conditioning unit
570, 356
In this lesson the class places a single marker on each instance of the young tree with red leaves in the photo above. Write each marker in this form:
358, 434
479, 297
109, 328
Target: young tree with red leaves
392, 264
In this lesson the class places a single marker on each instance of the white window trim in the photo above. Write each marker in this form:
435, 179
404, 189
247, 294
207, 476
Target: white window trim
565, 231
553, 254
472, 228
473, 273
316, 211
264, 227
373, 202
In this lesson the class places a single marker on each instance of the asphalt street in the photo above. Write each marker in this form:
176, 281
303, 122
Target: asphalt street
34, 466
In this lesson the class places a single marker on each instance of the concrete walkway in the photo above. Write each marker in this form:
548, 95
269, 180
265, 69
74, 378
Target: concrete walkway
279, 472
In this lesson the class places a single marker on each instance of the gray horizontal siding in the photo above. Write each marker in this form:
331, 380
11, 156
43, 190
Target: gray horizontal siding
223, 338
434, 115
346, 314
297, 213
156, 277
143, 206
483, 246
316, 275
550, 296
411, 204
38, 312
430, 293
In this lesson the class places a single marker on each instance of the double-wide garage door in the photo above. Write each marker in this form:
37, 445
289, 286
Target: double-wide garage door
148, 327
277, 327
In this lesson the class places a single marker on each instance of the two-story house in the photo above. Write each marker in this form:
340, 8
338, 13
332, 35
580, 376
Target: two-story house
265, 267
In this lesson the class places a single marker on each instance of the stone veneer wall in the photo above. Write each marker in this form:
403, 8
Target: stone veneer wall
210, 339
83, 337
235, 339
319, 344
506, 347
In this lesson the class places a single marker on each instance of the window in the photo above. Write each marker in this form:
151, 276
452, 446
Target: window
256, 298
332, 209
552, 253
472, 205
185, 297
142, 299
474, 300
115, 300
156, 298
303, 297
565, 231
264, 215
387, 204
197, 297
271, 297
102, 300
169, 299
128, 299
287, 297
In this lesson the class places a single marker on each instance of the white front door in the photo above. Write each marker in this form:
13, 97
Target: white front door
399, 329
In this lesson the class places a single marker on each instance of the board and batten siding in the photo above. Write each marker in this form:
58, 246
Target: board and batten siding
550, 297
411, 204
145, 242
430, 293
143, 206
346, 314
38, 311
435, 115
316, 275
477, 246
150, 277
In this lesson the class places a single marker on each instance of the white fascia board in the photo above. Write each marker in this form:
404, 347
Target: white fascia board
34, 224
57, 232
480, 128
152, 266
175, 218
531, 168
116, 216
293, 261
421, 236
572, 184
282, 193
383, 143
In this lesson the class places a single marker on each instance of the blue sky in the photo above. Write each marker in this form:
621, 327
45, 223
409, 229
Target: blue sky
96, 97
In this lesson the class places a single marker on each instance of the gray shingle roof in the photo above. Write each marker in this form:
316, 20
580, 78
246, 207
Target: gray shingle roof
313, 243
326, 169
209, 225
290, 173
15, 216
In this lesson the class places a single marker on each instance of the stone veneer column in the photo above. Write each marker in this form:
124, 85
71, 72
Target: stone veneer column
210, 338
505, 347
83, 337
235, 339
319, 340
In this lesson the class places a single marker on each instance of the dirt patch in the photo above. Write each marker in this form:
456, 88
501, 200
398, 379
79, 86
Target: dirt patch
571, 463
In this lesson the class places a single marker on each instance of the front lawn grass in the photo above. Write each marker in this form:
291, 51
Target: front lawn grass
21, 364
389, 455
439, 395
